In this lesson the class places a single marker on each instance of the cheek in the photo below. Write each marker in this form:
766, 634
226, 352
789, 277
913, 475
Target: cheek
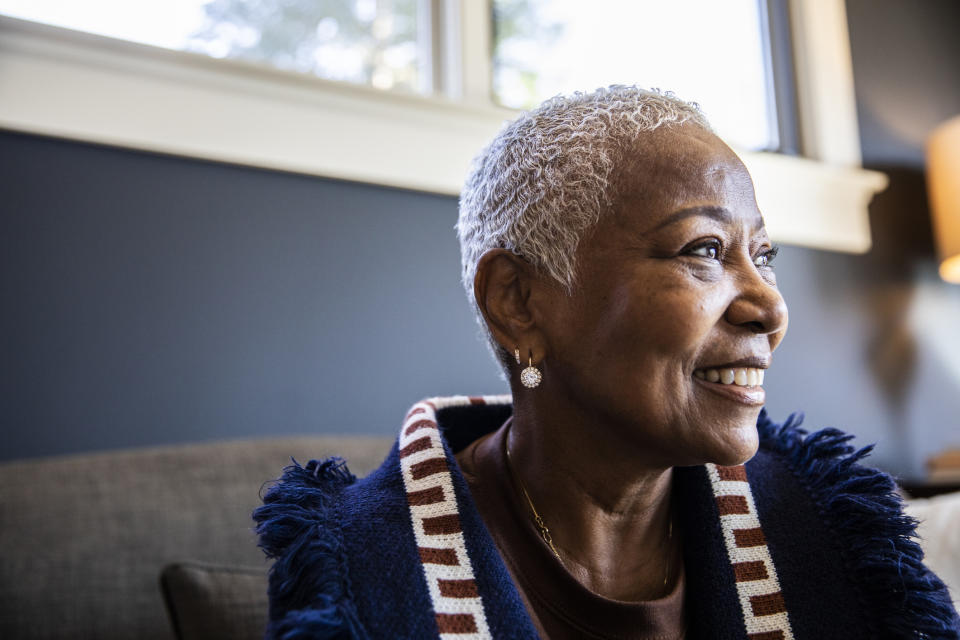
674, 324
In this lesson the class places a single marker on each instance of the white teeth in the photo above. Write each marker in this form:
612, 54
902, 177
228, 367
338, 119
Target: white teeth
742, 377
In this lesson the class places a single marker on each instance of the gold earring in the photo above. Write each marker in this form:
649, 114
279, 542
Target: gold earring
531, 376
516, 354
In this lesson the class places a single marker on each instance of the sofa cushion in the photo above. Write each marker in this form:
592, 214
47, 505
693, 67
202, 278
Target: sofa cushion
939, 534
209, 602
84, 537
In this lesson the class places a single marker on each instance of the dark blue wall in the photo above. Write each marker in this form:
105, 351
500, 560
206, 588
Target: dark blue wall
151, 299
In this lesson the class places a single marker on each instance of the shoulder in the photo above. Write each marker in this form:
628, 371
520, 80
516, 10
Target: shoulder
346, 561
302, 497
815, 486
297, 527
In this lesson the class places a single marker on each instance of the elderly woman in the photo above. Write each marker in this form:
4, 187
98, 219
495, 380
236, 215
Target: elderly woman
632, 487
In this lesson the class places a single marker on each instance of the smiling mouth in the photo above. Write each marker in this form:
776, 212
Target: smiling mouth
743, 385
738, 376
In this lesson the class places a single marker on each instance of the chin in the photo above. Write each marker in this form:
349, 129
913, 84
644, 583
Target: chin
734, 459
737, 448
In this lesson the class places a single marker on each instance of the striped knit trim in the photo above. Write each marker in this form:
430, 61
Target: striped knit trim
436, 520
761, 600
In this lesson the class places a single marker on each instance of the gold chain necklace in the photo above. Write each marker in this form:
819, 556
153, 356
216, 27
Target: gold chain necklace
545, 532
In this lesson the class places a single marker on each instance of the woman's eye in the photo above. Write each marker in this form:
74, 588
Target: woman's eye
707, 250
765, 258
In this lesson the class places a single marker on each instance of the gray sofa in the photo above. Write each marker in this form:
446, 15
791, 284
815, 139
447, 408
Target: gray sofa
85, 538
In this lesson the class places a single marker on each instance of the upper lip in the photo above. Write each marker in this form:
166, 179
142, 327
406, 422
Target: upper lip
752, 362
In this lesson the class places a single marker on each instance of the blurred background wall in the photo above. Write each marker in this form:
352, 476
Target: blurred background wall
874, 340
150, 299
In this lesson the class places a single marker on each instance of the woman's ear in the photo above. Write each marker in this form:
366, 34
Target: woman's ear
502, 287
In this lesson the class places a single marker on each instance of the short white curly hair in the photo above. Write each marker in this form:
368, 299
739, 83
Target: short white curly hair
546, 178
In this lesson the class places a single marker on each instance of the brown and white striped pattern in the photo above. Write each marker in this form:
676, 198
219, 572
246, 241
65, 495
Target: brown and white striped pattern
436, 521
761, 599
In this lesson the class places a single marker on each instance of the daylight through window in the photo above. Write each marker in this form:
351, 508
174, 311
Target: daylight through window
704, 50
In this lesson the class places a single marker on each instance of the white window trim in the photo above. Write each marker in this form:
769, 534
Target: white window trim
78, 86
824, 69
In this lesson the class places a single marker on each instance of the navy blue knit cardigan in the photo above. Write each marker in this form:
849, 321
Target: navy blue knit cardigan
802, 542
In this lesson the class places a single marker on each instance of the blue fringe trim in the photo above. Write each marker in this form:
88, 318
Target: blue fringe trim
310, 595
861, 507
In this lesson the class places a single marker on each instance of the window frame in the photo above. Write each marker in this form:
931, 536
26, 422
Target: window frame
79, 86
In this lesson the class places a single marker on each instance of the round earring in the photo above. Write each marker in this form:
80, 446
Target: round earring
531, 376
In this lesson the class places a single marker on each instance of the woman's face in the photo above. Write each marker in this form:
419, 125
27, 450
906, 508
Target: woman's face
673, 290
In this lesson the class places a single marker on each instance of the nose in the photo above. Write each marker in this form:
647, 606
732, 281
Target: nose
758, 306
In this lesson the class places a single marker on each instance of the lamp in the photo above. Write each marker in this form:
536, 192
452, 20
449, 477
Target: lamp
943, 184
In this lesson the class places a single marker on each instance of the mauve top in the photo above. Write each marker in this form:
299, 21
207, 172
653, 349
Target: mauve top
559, 606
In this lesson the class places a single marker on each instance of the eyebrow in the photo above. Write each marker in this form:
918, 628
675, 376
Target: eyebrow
720, 214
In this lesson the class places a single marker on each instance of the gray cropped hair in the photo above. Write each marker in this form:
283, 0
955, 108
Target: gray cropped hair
546, 179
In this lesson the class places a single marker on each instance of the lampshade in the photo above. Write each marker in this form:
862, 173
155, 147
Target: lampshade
943, 184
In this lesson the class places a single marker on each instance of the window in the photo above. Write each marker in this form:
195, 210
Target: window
541, 47
372, 42
721, 58
59, 82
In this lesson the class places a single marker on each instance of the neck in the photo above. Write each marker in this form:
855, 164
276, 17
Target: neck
609, 516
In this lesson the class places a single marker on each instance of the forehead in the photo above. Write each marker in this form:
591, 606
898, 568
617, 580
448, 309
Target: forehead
680, 167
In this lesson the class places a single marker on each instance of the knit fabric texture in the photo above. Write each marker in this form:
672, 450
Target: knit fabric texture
801, 542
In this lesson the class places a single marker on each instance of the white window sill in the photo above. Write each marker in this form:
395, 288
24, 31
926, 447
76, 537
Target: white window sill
78, 86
